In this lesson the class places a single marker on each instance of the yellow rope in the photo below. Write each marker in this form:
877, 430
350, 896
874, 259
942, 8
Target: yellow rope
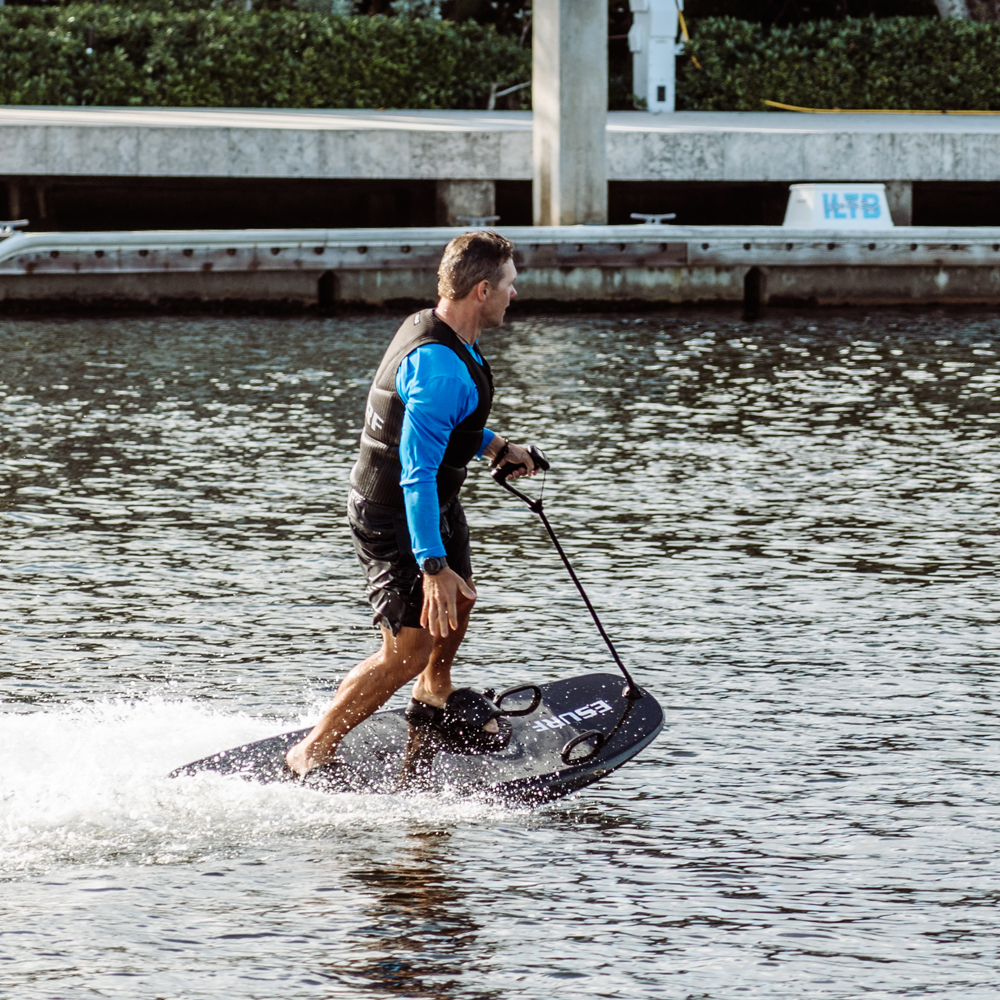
871, 111
687, 37
684, 27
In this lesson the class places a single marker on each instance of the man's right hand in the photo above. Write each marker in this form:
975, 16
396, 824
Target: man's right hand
439, 614
520, 457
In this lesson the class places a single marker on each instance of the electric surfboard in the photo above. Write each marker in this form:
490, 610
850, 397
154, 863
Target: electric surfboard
554, 739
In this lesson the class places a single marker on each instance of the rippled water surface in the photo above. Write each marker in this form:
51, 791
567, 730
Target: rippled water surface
790, 527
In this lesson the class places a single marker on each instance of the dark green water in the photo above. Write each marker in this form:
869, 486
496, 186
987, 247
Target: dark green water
790, 528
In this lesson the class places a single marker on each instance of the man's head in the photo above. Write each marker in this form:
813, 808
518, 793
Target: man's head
477, 270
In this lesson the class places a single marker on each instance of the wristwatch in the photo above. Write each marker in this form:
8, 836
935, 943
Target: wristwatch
433, 565
501, 454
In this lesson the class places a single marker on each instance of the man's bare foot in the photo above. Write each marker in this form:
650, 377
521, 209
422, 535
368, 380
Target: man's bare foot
426, 696
300, 759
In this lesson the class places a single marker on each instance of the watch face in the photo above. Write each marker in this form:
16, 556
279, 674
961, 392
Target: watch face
433, 565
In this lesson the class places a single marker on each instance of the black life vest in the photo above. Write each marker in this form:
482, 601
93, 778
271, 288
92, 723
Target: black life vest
378, 469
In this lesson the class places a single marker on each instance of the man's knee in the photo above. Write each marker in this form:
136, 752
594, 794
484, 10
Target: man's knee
410, 647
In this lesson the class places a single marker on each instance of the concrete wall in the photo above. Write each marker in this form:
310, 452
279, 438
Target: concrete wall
687, 146
156, 142
537, 288
785, 146
297, 290
881, 286
600, 266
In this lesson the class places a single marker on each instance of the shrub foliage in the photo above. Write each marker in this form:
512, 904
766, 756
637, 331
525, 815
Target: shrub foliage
907, 63
170, 53
104, 55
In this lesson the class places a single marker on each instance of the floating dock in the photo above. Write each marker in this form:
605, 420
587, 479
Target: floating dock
599, 266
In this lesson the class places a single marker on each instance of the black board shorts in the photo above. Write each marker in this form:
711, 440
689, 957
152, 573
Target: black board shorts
394, 583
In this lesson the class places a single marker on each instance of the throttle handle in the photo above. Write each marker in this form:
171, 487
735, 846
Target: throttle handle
501, 472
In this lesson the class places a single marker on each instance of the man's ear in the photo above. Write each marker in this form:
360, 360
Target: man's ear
483, 290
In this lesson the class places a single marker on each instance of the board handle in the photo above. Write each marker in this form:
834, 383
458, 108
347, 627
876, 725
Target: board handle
599, 741
536, 700
538, 456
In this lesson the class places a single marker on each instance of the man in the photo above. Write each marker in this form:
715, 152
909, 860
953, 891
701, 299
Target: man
425, 419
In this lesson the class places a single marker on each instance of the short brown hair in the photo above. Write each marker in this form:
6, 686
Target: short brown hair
471, 258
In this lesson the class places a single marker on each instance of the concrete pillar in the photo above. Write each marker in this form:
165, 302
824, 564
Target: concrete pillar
899, 195
754, 292
326, 291
569, 94
13, 199
459, 201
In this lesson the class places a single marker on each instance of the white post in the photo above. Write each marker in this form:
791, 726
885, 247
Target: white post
653, 42
956, 9
569, 95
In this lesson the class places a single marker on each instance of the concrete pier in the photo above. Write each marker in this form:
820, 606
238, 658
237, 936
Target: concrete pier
461, 159
143, 168
490, 145
604, 266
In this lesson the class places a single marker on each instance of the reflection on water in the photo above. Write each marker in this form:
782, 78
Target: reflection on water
422, 939
789, 527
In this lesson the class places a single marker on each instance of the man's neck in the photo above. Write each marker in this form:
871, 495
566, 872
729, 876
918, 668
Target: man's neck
462, 321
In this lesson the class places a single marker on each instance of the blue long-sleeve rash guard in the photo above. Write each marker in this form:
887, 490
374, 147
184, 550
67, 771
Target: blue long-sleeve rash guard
438, 394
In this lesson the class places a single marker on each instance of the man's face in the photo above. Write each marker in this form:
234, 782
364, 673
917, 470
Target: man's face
499, 297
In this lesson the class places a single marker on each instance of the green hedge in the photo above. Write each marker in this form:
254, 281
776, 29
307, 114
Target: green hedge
152, 55
900, 62
268, 59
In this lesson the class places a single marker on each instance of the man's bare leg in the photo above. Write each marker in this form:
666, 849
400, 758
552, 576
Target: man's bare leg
374, 681
433, 685
362, 692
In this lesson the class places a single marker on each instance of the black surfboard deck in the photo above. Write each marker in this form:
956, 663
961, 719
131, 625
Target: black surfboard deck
385, 754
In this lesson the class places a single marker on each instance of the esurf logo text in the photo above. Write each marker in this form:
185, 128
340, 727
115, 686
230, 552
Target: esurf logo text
595, 708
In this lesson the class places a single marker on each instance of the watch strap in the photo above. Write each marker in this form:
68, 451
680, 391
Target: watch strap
501, 454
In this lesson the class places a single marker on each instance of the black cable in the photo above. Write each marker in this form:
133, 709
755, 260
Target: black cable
500, 476
633, 689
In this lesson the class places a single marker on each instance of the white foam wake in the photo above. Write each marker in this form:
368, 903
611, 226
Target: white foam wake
86, 784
